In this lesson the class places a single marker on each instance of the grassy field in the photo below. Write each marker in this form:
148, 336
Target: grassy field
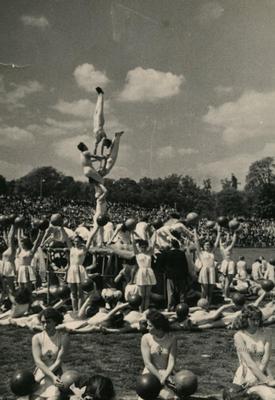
209, 354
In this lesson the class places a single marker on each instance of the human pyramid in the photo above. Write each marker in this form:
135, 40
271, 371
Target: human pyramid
143, 277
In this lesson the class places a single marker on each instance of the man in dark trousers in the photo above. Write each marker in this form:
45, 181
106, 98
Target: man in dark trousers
174, 265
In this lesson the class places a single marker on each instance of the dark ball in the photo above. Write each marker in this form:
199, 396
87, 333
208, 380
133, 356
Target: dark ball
234, 224
102, 220
19, 221
64, 292
182, 311
134, 300
186, 383
238, 299
22, 383
148, 387
192, 218
130, 224
210, 224
223, 222
56, 220
267, 285
69, 377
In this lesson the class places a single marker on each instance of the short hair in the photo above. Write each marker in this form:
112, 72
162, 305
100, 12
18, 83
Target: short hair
158, 320
107, 143
82, 146
142, 242
209, 242
175, 215
242, 258
27, 243
175, 244
248, 311
52, 313
80, 238
23, 296
99, 387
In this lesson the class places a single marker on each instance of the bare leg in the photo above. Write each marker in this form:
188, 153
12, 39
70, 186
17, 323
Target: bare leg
80, 296
99, 119
147, 296
203, 291
73, 287
142, 292
228, 281
111, 160
210, 289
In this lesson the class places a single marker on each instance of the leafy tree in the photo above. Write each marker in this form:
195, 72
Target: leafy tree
231, 202
3, 185
260, 173
226, 183
45, 181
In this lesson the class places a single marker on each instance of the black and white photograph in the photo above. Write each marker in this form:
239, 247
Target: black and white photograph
137, 199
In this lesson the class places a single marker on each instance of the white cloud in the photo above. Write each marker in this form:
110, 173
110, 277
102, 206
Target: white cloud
12, 97
150, 85
169, 152
36, 22
209, 12
221, 90
237, 164
80, 108
187, 151
14, 170
13, 135
166, 152
67, 148
52, 127
251, 116
88, 78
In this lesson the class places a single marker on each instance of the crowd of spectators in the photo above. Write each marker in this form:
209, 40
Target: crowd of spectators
258, 233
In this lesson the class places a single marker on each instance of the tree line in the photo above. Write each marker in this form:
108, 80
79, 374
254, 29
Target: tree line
181, 192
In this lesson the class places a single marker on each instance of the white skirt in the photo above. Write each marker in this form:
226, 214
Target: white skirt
145, 276
8, 269
76, 274
26, 274
228, 267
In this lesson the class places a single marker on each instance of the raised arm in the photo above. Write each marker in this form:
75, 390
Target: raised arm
234, 238
37, 242
47, 235
116, 232
91, 238
116, 309
134, 244
10, 238
5, 236
258, 301
20, 236
196, 241
217, 241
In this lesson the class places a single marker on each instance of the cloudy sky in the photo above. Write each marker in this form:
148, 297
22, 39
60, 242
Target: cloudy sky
192, 83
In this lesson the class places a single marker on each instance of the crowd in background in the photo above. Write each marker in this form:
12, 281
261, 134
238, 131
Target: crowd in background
255, 232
